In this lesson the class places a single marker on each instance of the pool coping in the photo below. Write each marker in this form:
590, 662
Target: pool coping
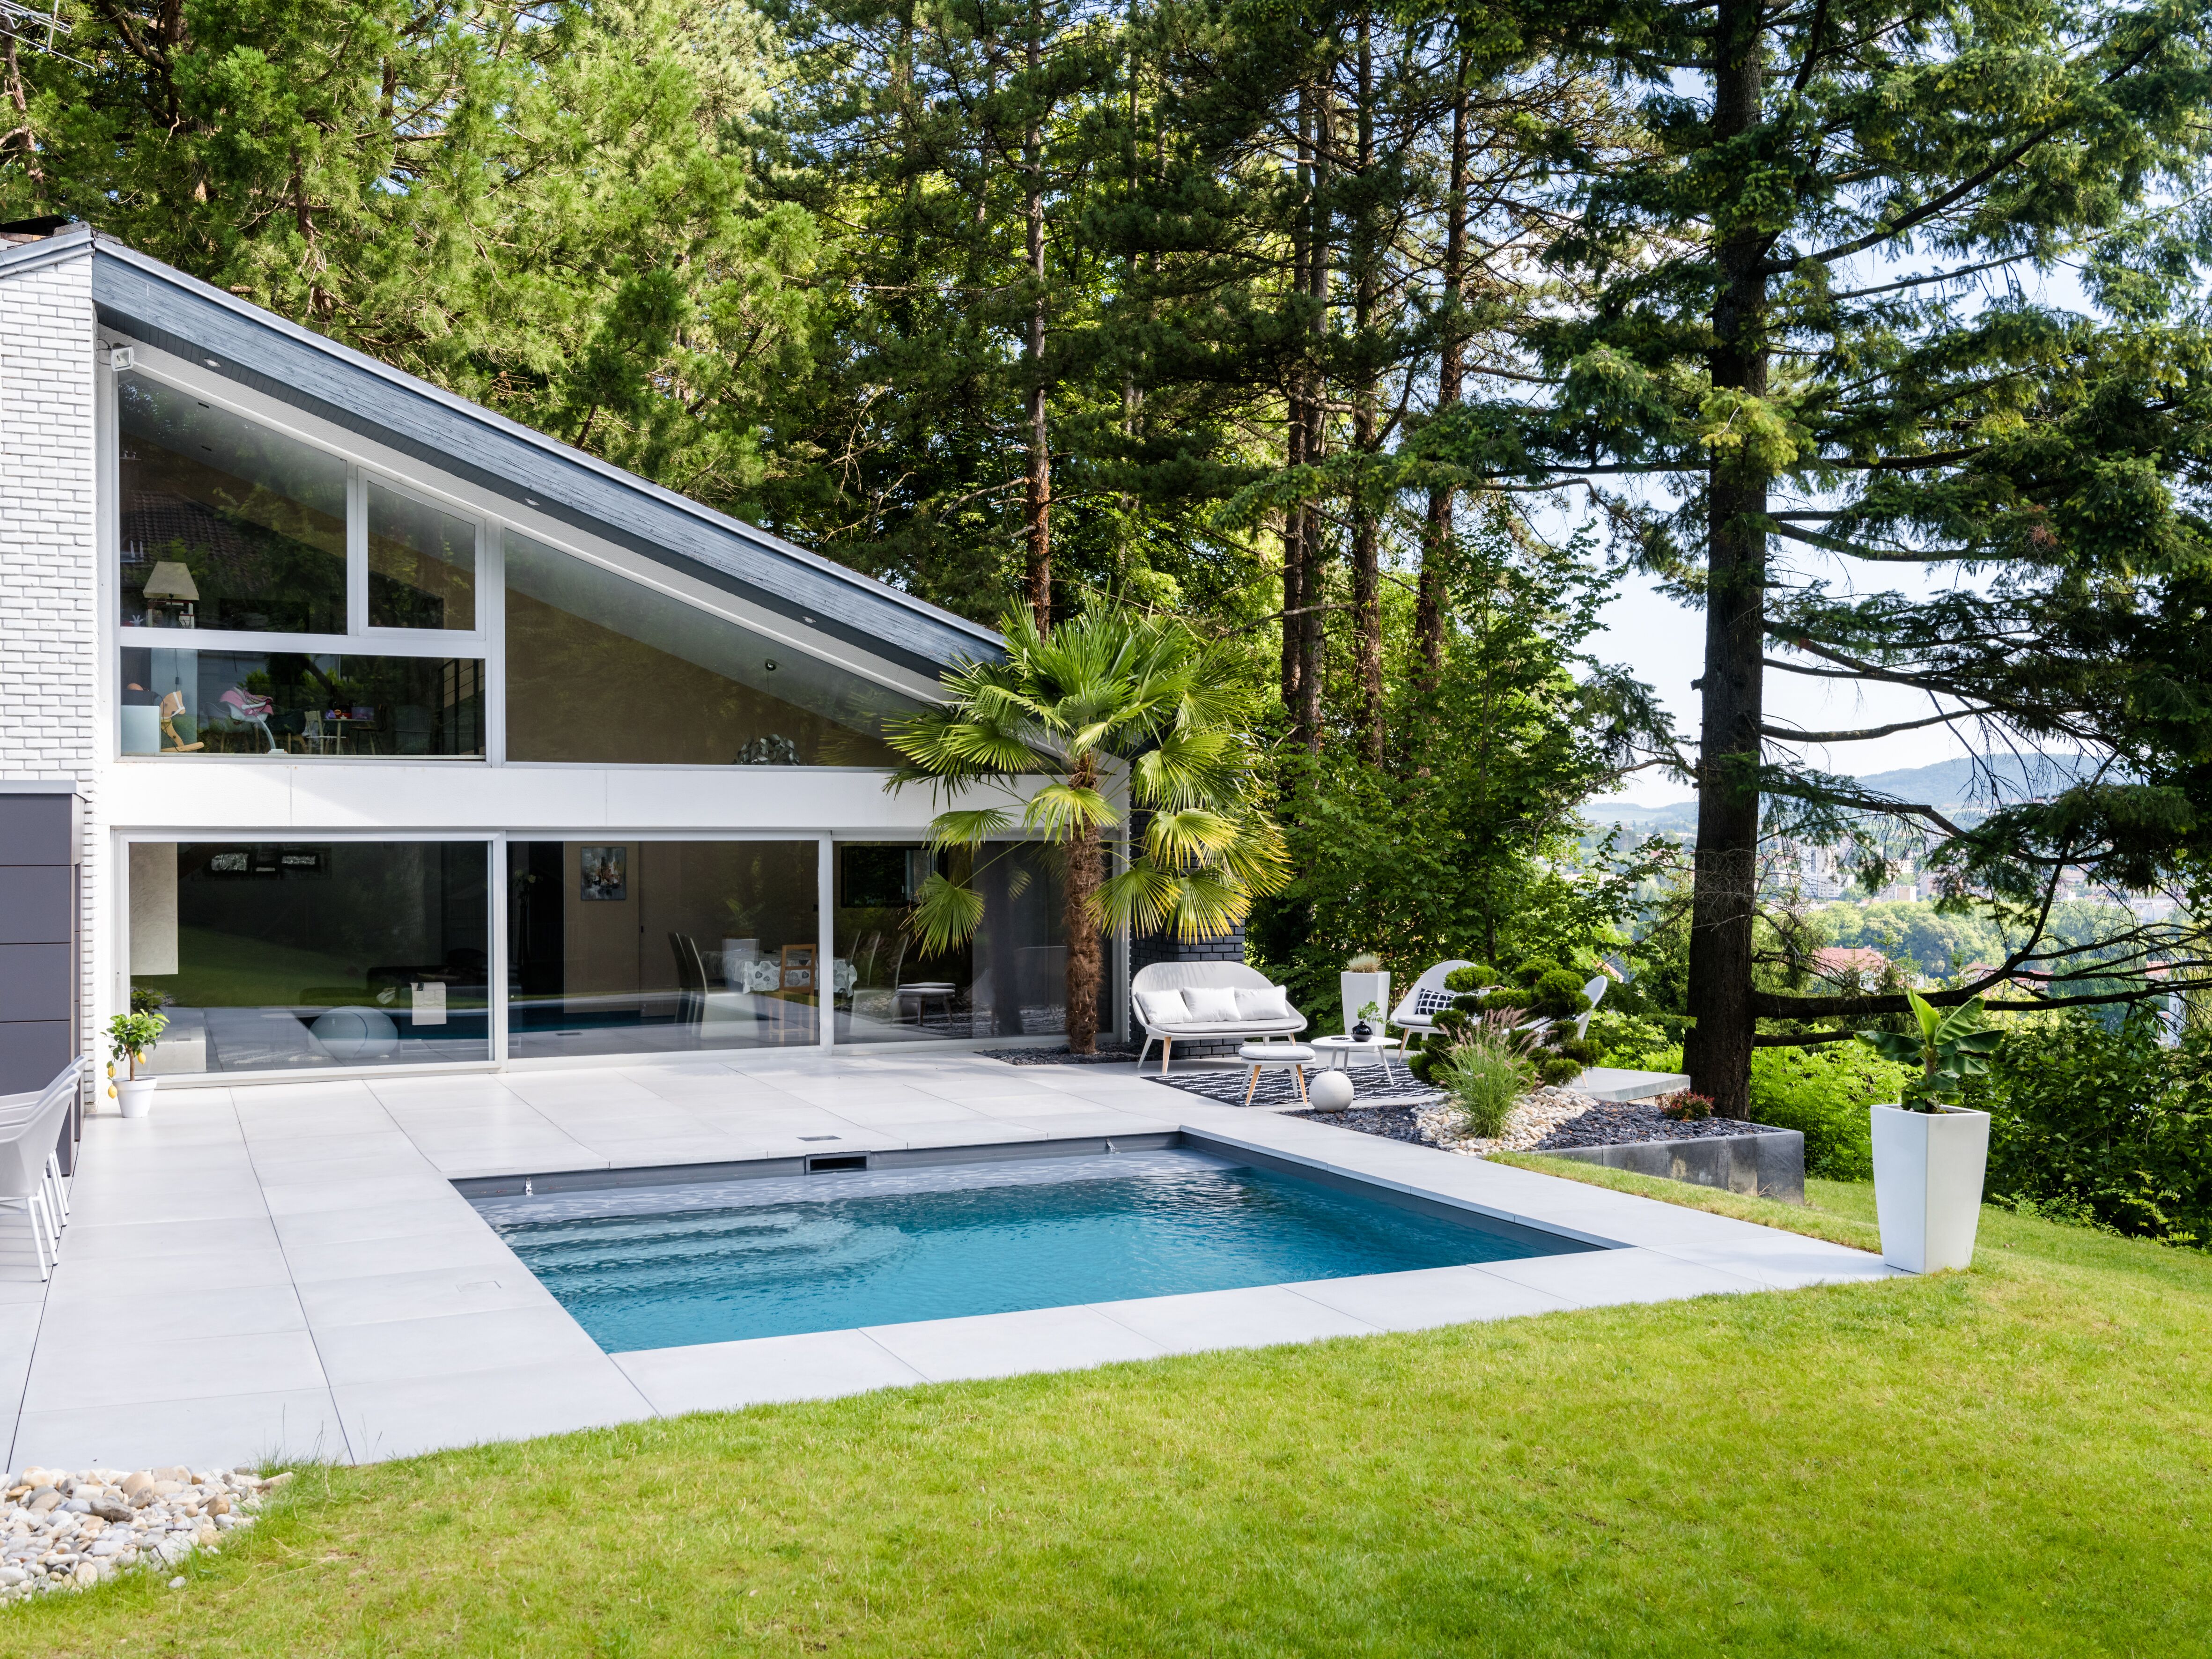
292, 1271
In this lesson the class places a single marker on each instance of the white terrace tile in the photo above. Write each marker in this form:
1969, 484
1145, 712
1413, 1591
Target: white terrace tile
251, 1259
450, 1344
141, 1321
131, 1243
354, 1224
1254, 1318
1598, 1279
422, 1294
221, 1430
720, 1376
463, 1247
1009, 1344
1429, 1296
299, 1198
152, 1197
104, 1371
428, 1413
19, 1336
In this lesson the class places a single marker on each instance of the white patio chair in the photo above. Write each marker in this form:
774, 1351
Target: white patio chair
30, 1171
1595, 992
1427, 998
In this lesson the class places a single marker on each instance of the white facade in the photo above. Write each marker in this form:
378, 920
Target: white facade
62, 721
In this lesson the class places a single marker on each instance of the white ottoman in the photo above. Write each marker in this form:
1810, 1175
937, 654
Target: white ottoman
1257, 1055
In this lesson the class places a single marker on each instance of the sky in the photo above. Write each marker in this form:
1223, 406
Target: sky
1663, 643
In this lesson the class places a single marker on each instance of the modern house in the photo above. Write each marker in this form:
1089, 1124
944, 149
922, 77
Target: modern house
374, 730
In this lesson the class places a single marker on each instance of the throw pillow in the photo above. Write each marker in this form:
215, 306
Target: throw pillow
1211, 1007
1162, 1007
1269, 1003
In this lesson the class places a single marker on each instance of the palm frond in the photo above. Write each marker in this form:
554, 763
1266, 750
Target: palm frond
944, 915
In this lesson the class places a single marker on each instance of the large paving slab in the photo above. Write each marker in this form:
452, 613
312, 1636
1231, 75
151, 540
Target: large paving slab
286, 1268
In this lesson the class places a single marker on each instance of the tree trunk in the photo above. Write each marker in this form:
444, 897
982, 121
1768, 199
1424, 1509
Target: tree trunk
1725, 901
1367, 535
1085, 858
1314, 636
1437, 531
1039, 502
1294, 444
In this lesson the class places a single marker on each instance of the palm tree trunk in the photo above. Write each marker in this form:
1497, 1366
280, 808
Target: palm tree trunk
1085, 855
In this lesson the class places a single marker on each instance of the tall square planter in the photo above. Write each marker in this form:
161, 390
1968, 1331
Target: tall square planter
1360, 989
1927, 1172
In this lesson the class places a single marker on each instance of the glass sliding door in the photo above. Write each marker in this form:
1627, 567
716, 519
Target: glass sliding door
661, 947
1009, 980
309, 956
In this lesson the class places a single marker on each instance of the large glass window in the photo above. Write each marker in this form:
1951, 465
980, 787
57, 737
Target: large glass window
298, 956
1009, 980
422, 564
660, 946
225, 523
196, 702
601, 669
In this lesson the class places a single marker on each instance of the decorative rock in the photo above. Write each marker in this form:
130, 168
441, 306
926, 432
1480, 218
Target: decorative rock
176, 1583
60, 1529
1329, 1091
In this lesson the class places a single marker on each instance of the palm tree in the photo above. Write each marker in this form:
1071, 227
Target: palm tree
1110, 699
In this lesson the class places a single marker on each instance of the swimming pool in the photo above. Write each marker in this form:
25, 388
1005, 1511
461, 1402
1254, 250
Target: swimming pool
683, 1262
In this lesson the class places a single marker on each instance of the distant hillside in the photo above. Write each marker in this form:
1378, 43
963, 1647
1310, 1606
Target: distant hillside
1947, 784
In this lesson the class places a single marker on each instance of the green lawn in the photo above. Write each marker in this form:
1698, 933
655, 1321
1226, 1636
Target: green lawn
2012, 1460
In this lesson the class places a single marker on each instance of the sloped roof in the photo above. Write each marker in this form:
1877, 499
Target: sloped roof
163, 307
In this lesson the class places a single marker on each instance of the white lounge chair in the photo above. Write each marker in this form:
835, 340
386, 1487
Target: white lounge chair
1595, 992
1426, 999
1156, 993
30, 1164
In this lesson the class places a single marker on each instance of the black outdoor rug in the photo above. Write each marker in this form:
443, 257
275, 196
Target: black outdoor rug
1278, 1089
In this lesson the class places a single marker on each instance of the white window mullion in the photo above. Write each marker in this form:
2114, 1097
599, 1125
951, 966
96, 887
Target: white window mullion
495, 971
356, 552
491, 625
825, 964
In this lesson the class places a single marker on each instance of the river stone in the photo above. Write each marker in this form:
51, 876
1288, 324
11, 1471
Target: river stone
43, 1500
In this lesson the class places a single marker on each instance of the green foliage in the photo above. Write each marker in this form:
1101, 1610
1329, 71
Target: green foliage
1485, 1079
1474, 977
1558, 1069
1948, 1045
1558, 994
1824, 1093
1106, 690
146, 1000
2088, 1121
130, 1035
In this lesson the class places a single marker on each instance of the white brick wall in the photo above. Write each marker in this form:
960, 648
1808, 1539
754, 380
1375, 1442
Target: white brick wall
50, 697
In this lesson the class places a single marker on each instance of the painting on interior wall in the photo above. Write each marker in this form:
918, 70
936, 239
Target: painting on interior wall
605, 873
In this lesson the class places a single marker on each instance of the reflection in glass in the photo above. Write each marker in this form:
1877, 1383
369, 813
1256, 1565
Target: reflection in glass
282, 703
225, 523
659, 947
601, 669
1009, 980
422, 564
309, 956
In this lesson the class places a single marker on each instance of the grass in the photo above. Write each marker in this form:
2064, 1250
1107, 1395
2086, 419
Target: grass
2009, 1461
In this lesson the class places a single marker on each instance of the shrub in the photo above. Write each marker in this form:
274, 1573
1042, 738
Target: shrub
1506, 999
1685, 1106
1824, 1093
1559, 995
2104, 1124
1557, 1069
1485, 1079
1534, 970
1473, 977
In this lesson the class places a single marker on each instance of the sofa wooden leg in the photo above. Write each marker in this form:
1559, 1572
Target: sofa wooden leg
1299, 1073
1252, 1085
1167, 1047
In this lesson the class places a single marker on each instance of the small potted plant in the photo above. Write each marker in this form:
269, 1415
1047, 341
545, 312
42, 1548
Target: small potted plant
1929, 1154
1364, 985
130, 1037
1362, 1031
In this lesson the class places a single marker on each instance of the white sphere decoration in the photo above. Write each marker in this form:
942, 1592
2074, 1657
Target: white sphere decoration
352, 1035
1329, 1091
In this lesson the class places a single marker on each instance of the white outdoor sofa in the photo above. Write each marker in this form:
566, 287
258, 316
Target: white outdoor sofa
1240, 1003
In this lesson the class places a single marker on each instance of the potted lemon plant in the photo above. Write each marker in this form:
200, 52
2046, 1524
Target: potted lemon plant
128, 1038
1930, 1154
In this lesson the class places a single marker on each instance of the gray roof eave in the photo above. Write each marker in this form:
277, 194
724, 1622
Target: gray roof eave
164, 308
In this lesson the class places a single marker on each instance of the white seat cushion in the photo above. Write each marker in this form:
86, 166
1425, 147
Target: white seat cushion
1272, 1003
1232, 1028
1277, 1054
1214, 1006
1162, 1007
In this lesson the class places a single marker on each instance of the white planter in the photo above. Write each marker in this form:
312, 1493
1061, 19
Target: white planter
1360, 989
1928, 1170
136, 1095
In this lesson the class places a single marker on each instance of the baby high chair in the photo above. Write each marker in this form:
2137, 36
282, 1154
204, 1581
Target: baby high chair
253, 710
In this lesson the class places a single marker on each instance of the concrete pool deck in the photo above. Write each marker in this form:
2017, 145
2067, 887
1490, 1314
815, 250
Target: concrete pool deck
287, 1268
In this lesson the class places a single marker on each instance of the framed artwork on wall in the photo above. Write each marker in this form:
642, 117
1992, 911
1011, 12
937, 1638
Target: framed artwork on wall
605, 873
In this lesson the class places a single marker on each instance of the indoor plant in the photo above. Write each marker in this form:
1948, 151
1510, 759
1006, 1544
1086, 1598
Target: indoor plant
129, 1037
1929, 1155
1363, 982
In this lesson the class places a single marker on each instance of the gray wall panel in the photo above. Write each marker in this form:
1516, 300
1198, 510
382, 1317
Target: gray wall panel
35, 981
36, 901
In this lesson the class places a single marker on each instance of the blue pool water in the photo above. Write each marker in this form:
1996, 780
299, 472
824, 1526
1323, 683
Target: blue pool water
713, 1261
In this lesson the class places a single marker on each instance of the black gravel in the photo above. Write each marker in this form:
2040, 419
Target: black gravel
1607, 1124
1106, 1056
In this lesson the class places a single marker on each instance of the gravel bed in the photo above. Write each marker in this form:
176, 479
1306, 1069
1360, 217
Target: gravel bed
60, 1530
1106, 1055
1542, 1120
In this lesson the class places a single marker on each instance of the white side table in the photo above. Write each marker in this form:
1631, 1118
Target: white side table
1341, 1050
1296, 1055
